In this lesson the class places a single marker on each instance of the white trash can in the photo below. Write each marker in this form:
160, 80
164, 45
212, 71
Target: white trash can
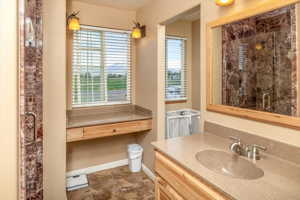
135, 153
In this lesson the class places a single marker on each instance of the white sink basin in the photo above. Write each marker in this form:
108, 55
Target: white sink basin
228, 164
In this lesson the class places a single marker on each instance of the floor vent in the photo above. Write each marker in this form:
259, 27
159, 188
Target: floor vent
77, 182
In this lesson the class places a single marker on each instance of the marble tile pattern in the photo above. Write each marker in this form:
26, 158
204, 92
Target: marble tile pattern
259, 60
116, 184
30, 100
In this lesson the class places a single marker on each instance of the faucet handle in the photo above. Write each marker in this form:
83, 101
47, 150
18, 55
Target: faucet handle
235, 139
262, 148
254, 152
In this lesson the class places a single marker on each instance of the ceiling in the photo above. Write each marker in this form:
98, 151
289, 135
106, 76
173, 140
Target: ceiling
192, 16
122, 4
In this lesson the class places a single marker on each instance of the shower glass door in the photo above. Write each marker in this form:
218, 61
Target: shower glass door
259, 70
30, 100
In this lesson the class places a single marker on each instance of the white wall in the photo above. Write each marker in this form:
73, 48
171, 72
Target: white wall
95, 152
148, 83
196, 65
149, 91
8, 100
54, 99
104, 16
286, 135
101, 16
183, 28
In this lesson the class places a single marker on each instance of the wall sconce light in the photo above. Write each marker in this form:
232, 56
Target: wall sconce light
224, 2
138, 31
259, 46
73, 22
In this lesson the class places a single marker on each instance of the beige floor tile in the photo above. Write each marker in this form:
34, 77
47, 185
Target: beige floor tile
116, 184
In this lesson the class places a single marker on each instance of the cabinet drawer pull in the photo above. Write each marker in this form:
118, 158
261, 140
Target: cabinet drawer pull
114, 130
161, 182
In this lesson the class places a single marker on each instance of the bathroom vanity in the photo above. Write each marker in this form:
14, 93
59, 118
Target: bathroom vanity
91, 123
176, 182
180, 175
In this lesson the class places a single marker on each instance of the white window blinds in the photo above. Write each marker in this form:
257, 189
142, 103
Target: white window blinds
101, 67
176, 69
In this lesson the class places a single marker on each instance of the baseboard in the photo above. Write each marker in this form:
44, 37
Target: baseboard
148, 172
110, 165
97, 168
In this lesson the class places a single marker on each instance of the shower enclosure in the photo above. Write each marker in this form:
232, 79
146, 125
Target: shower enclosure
259, 63
30, 100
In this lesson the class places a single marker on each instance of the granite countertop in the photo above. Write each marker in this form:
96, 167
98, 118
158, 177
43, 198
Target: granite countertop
281, 180
110, 114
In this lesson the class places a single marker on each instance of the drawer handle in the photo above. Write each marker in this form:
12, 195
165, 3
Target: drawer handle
114, 130
31, 124
161, 182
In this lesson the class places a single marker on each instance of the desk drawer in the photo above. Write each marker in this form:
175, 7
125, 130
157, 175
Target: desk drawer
74, 134
117, 128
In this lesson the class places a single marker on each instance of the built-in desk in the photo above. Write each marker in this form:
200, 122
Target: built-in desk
92, 123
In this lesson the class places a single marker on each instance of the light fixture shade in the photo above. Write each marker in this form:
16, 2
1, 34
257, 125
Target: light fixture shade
74, 24
258, 46
224, 2
136, 33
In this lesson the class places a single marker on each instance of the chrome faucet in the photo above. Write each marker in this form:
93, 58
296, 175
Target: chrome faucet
249, 151
266, 106
237, 147
254, 151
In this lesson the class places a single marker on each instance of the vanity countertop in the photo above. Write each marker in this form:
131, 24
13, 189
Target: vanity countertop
108, 115
281, 180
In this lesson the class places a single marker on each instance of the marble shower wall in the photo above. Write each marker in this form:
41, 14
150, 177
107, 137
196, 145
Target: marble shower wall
259, 62
30, 100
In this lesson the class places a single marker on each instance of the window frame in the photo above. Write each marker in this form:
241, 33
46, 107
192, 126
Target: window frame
130, 71
184, 70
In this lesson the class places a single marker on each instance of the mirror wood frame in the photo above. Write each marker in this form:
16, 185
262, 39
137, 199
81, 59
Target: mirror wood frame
266, 117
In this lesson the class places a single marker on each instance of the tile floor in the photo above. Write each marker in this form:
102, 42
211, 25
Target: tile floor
116, 184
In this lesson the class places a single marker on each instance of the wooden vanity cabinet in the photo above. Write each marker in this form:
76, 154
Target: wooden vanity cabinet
107, 130
163, 191
173, 182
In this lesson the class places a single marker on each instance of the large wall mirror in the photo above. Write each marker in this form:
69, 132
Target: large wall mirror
254, 64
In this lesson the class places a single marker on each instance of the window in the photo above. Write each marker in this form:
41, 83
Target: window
176, 82
101, 67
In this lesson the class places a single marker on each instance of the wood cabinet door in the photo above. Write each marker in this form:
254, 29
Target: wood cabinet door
186, 185
164, 191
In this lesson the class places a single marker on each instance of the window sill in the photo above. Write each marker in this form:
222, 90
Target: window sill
121, 103
175, 101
